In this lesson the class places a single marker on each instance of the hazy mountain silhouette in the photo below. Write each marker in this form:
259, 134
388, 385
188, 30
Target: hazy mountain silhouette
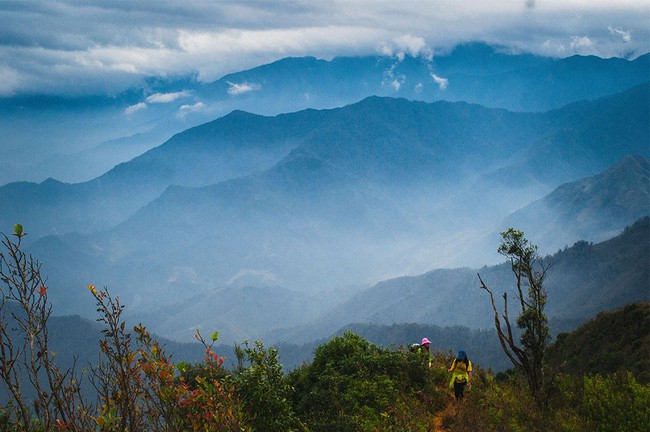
232, 146
585, 279
45, 135
365, 197
474, 72
592, 209
377, 140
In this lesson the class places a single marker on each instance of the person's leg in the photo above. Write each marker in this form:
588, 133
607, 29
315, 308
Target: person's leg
459, 388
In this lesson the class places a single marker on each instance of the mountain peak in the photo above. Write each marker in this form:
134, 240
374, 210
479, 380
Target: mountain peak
51, 182
592, 208
240, 114
631, 162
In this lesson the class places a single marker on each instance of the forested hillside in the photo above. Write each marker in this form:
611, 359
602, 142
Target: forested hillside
585, 279
613, 341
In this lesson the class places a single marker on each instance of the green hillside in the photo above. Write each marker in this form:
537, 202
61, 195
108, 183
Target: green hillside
350, 384
611, 342
354, 385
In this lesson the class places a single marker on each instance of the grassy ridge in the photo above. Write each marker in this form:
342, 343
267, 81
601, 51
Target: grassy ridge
611, 342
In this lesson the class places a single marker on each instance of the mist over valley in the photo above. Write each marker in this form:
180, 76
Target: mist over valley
291, 220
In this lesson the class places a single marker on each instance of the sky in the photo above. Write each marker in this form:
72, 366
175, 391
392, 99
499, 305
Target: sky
85, 47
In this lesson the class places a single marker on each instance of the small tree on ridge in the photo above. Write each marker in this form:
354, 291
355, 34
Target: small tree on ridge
530, 271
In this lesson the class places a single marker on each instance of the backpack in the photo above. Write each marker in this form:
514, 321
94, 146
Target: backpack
460, 370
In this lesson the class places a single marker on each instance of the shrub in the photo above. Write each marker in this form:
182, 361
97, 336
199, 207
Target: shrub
264, 390
497, 406
353, 385
616, 403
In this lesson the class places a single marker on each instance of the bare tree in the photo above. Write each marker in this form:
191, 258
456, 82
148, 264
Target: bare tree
25, 356
530, 271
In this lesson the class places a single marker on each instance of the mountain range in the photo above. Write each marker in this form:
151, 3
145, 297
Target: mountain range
411, 306
255, 224
473, 72
74, 139
381, 139
584, 279
588, 209
368, 192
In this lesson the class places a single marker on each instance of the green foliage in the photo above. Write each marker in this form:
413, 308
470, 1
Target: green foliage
623, 344
531, 320
616, 403
263, 389
530, 272
354, 385
496, 406
601, 403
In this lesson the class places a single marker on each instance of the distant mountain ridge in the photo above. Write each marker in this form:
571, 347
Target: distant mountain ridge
618, 195
381, 188
585, 279
373, 138
78, 130
474, 72
592, 208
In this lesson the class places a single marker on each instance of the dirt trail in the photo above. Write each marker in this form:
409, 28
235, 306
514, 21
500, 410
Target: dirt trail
448, 411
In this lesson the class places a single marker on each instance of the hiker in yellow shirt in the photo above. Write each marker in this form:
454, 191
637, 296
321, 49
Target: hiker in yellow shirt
462, 374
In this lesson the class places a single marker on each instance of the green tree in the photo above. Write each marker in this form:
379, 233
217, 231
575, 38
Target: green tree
263, 389
530, 271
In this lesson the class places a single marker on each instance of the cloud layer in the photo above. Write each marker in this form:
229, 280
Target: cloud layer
99, 47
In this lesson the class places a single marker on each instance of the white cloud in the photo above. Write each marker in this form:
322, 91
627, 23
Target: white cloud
167, 97
217, 52
553, 48
72, 47
250, 275
237, 89
386, 50
407, 44
626, 35
418, 87
579, 42
10, 80
184, 110
391, 80
442, 82
135, 108
583, 45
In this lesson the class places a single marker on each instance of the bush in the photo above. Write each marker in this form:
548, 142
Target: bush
616, 403
498, 406
263, 389
353, 385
